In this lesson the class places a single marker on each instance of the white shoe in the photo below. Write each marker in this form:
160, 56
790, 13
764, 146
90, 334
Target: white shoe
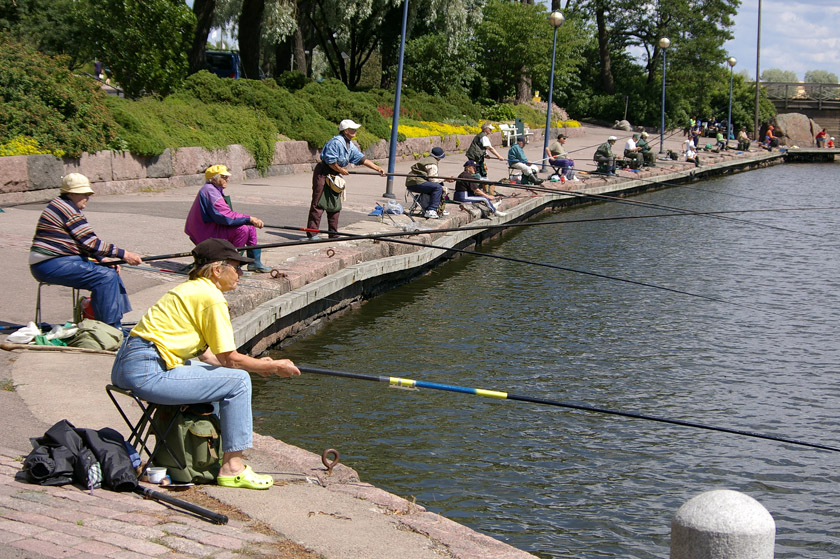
500, 214
431, 214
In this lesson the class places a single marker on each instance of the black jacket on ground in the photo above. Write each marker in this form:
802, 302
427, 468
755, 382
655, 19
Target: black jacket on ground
66, 454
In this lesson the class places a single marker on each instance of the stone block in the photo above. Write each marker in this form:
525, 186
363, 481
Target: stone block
45, 171
299, 152
127, 166
129, 186
795, 128
97, 167
14, 175
378, 150
192, 160
238, 160
179, 181
159, 166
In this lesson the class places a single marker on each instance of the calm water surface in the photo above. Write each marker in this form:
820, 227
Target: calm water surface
560, 483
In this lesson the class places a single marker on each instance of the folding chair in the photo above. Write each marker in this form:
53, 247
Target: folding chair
144, 427
76, 294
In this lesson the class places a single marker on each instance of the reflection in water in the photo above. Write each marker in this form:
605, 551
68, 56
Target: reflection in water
560, 483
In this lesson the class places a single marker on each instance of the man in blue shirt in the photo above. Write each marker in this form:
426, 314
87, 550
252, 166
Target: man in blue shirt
517, 160
336, 155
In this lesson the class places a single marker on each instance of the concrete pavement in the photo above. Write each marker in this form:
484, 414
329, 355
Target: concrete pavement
335, 516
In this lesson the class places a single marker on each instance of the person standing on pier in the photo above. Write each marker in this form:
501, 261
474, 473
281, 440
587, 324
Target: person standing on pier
821, 137
336, 155
480, 146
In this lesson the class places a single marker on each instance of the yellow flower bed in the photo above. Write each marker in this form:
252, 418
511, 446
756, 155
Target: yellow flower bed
23, 145
567, 124
428, 128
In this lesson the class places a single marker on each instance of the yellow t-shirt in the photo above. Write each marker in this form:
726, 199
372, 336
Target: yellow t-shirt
188, 319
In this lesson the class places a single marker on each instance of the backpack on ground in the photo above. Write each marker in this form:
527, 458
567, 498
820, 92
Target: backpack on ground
93, 334
195, 440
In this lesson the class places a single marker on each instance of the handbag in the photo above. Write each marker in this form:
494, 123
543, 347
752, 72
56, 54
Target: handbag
336, 183
330, 201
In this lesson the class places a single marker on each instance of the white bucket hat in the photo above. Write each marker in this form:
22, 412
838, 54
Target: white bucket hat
75, 183
347, 123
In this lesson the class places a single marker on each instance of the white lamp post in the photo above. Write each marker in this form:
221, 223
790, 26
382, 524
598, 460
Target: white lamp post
664, 43
731, 61
556, 19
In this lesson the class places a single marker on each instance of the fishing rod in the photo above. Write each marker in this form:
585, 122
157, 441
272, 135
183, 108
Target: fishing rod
409, 383
351, 237
604, 197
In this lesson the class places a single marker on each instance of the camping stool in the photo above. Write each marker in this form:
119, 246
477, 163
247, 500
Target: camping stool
76, 296
144, 427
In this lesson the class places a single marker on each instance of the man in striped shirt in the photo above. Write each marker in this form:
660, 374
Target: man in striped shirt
62, 247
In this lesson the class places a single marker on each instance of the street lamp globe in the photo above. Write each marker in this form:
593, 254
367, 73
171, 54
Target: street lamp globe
556, 19
732, 61
664, 43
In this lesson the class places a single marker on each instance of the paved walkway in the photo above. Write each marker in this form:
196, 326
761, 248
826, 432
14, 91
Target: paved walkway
334, 516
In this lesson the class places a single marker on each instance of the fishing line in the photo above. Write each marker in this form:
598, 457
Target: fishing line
608, 198
350, 236
409, 383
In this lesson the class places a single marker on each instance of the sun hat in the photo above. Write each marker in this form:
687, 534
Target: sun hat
487, 126
75, 183
612, 139
214, 250
348, 123
437, 153
214, 170
644, 134
470, 162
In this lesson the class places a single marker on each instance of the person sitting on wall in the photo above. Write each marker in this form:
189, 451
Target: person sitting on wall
64, 244
423, 179
559, 157
743, 140
633, 152
605, 157
518, 161
647, 152
770, 141
212, 217
467, 190
720, 143
691, 155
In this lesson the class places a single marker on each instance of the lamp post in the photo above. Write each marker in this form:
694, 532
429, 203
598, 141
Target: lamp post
664, 43
757, 71
556, 19
731, 61
395, 118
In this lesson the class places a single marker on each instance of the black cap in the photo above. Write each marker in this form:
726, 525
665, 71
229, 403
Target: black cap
214, 250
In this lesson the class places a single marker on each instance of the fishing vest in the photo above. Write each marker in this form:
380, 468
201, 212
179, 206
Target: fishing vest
420, 171
476, 150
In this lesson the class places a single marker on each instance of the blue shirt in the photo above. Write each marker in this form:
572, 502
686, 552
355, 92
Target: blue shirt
341, 151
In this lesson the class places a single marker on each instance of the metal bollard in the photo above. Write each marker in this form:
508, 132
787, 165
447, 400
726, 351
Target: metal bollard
722, 524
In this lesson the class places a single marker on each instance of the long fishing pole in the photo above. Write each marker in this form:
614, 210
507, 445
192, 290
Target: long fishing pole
605, 197
409, 383
350, 236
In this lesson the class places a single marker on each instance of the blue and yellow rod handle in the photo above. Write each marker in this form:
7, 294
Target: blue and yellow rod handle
409, 383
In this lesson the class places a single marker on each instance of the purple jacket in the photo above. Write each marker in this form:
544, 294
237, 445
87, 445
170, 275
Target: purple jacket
210, 213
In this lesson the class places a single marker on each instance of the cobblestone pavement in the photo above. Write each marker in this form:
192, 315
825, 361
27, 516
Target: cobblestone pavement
67, 521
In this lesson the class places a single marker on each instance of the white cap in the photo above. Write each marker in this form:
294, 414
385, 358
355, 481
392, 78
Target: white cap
347, 123
75, 183
612, 139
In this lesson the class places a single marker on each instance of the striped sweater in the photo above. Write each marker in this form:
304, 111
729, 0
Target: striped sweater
63, 230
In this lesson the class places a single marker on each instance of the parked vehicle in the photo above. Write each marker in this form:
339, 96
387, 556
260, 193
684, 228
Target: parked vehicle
225, 64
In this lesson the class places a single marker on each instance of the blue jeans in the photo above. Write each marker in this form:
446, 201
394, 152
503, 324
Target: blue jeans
461, 196
434, 189
140, 368
562, 164
108, 296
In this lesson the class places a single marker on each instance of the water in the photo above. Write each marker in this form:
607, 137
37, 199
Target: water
560, 483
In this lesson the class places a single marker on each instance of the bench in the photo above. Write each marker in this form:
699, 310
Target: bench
508, 134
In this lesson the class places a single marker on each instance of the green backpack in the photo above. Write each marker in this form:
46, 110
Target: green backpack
195, 440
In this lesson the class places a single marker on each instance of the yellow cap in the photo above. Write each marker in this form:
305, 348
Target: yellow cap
216, 170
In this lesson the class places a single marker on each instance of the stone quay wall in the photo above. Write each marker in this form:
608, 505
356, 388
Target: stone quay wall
30, 178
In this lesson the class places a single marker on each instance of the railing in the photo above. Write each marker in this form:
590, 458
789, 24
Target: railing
803, 95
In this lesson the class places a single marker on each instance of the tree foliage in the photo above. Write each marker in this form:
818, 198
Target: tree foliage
145, 42
820, 76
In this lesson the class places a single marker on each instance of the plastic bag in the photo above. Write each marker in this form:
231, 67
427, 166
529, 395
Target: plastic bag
394, 207
25, 334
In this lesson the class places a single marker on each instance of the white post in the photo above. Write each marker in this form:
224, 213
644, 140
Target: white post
722, 524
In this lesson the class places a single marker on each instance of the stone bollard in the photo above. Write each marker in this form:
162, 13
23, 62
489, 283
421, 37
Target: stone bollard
722, 524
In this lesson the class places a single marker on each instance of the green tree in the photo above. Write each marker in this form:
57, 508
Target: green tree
145, 42
820, 76
51, 26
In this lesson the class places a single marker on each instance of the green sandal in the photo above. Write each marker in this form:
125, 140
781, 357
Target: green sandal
247, 479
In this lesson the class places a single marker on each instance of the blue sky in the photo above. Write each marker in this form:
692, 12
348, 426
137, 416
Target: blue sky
795, 36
